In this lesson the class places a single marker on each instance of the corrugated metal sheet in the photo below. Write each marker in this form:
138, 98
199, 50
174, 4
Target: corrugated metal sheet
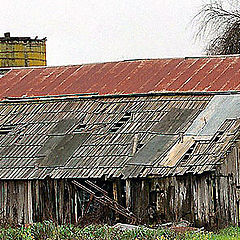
218, 110
139, 76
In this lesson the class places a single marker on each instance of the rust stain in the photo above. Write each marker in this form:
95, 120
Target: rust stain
137, 76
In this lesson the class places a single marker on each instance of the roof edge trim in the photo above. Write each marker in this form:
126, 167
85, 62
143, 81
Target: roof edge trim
96, 96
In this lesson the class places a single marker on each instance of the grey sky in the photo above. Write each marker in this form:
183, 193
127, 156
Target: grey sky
81, 31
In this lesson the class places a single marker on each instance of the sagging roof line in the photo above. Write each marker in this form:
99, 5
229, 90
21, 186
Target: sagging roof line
52, 96
95, 96
84, 160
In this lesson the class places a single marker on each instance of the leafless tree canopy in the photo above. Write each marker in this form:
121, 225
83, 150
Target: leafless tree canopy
219, 21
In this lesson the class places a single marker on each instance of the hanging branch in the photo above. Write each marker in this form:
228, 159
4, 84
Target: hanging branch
221, 25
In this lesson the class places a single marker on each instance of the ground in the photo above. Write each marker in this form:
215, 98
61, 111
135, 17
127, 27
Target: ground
50, 231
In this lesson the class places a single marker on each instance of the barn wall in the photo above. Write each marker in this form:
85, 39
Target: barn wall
204, 200
228, 197
210, 200
38, 200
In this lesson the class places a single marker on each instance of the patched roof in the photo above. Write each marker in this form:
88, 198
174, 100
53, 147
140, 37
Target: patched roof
121, 136
136, 76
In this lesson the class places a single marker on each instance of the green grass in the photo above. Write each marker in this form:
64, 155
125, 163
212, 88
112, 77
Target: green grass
50, 231
230, 233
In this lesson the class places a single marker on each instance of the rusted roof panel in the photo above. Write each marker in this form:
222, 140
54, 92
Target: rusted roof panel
136, 76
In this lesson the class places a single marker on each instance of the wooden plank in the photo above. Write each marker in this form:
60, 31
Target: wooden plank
1, 198
56, 199
37, 207
75, 206
21, 202
115, 196
5, 198
61, 201
128, 194
29, 202
25, 208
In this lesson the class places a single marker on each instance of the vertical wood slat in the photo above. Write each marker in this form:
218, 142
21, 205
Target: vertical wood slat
29, 202
5, 199
76, 206
115, 196
20, 202
1, 198
128, 194
37, 207
25, 208
56, 199
61, 201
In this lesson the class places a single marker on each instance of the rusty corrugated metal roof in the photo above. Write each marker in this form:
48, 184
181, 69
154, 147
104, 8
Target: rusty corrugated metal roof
139, 76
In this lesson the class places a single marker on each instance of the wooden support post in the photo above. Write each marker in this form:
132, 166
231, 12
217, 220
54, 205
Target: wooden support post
5, 199
128, 194
115, 195
29, 202
20, 202
61, 201
56, 199
76, 206
236, 151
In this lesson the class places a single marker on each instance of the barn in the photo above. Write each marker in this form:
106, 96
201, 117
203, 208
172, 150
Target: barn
154, 140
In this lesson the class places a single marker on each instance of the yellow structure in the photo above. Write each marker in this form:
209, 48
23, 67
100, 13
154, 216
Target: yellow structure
22, 51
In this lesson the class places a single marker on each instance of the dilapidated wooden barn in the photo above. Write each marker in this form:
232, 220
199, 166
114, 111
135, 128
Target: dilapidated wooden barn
151, 156
165, 157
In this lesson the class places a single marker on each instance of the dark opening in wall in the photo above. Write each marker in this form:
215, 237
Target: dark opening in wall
80, 127
121, 122
6, 129
139, 146
218, 136
188, 153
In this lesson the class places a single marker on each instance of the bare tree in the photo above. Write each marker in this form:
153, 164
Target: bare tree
219, 22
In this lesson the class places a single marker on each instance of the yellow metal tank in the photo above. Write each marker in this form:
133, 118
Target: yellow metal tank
22, 51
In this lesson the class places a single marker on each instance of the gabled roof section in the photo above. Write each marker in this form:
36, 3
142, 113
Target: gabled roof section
136, 76
125, 136
74, 138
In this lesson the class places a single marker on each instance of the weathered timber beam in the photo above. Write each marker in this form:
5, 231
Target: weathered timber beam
105, 200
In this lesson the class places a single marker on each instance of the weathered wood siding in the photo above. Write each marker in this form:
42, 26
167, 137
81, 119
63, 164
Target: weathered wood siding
211, 199
205, 200
37, 200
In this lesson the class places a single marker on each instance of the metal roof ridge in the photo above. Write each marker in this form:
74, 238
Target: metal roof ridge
95, 96
51, 96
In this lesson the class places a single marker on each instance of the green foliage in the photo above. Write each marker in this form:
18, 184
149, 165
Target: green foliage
48, 230
231, 233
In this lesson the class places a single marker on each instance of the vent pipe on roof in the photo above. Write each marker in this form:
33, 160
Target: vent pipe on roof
7, 35
135, 142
